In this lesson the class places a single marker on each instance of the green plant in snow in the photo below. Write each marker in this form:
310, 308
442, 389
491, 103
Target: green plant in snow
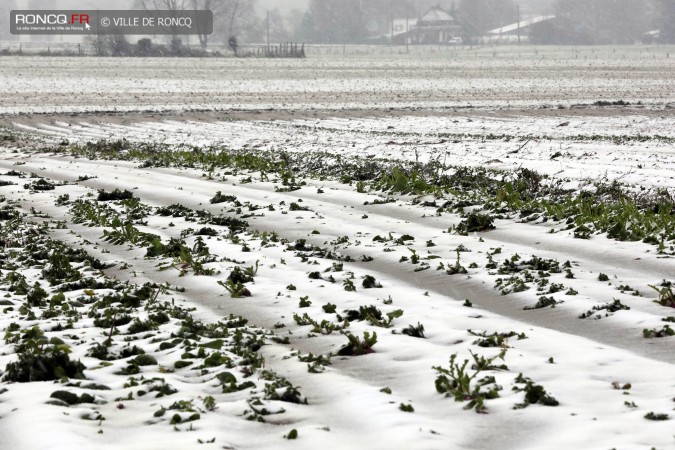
235, 288
94, 214
457, 268
475, 222
329, 308
385, 323
356, 346
42, 360
416, 331
543, 302
115, 195
666, 331
609, 308
282, 390
495, 339
40, 185
406, 408
220, 198
534, 394
370, 282
666, 295
193, 259
128, 233
458, 382
324, 327
653, 416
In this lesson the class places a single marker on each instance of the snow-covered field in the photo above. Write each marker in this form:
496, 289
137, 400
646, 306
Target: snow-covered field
532, 77
319, 276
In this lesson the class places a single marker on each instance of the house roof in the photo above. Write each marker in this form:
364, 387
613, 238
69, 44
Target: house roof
520, 25
436, 14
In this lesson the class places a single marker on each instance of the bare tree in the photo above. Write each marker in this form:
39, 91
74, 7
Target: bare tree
380, 14
201, 33
236, 17
332, 22
4, 25
277, 27
604, 21
667, 21
164, 5
231, 16
479, 16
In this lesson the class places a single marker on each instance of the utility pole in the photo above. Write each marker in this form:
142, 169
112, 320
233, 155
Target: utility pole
518, 13
407, 33
268, 31
98, 34
391, 14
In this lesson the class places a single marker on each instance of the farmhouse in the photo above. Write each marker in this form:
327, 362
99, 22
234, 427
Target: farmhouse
651, 37
527, 30
435, 27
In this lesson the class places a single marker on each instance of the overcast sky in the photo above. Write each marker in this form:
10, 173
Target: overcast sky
529, 6
283, 5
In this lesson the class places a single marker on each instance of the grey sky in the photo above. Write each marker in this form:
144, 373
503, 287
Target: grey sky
283, 5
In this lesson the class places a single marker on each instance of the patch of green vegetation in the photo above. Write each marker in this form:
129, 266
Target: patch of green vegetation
369, 282
72, 399
220, 198
457, 382
609, 308
40, 185
406, 408
543, 302
474, 223
495, 339
609, 208
357, 346
653, 416
416, 331
665, 331
39, 360
457, 268
534, 394
666, 295
115, 195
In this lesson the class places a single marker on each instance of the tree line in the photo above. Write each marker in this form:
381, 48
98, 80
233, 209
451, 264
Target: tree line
577, 21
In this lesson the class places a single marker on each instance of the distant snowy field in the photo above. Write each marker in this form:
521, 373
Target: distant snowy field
502, 76
315, 242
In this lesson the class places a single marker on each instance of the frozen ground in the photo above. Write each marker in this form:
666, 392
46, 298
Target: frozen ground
605, 375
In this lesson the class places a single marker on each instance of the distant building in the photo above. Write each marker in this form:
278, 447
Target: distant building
523, 31
652, 37
435, 27
400, 29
